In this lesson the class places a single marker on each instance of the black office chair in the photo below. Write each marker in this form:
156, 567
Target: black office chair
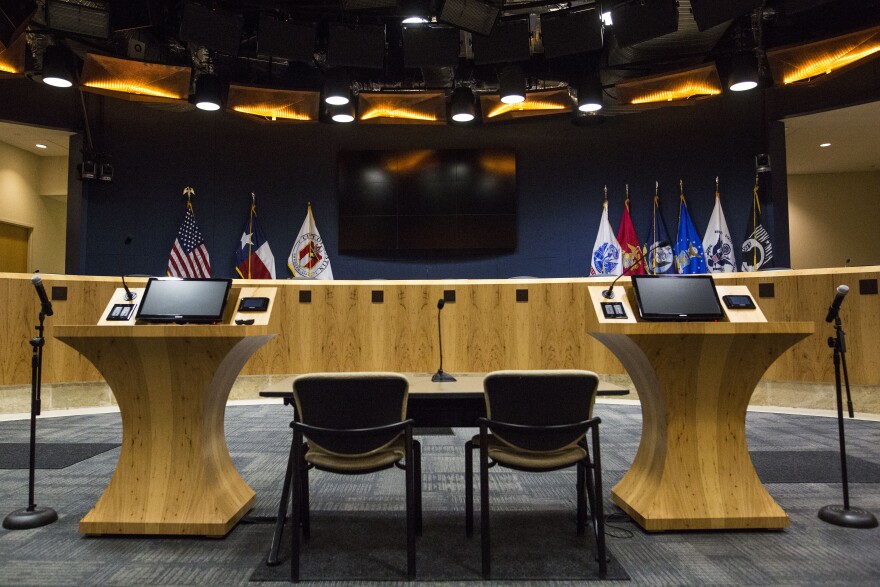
537, 422
354, 423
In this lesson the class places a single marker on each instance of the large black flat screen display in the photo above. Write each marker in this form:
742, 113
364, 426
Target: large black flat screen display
184, 300
427, 201
677, 298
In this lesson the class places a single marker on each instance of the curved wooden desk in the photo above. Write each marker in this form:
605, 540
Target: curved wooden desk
694, 380
174, 474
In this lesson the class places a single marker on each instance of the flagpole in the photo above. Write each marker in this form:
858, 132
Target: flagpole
311, 242
654, 222
251, 231
756, 209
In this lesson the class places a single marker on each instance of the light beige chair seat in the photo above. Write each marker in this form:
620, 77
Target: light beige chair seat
382, 457
517, 457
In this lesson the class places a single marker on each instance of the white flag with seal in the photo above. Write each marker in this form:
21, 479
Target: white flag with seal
308, 258
605, 259
717, 243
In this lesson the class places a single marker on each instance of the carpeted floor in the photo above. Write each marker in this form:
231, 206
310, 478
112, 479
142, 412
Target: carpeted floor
809, 552
16, 455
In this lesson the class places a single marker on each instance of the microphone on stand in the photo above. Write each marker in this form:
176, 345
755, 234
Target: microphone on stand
41, 292
440, 376
834, 308
129, 295
608, 294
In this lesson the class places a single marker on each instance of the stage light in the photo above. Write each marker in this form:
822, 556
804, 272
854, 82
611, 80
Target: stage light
105, 172
512, 85
337, 87
589, 94
57, 67
207, 95
462, 108
343, 113
743, 73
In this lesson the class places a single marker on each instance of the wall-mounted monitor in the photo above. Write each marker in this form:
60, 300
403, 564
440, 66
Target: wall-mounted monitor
171, 299
427, 201
677, 298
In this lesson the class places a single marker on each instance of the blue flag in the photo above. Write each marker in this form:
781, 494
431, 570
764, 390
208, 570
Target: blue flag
658, 250
689, 257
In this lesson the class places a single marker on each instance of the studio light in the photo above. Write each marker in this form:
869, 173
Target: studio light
512, 85
342, 112
337, 87
462, 108
743, 73
589, 94
57, 67
208, 93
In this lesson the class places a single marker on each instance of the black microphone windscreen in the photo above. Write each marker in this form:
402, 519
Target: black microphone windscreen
440, 303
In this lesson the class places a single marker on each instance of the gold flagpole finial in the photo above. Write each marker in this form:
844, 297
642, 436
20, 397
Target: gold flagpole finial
656, 188
253, 197
606, 192
188, 192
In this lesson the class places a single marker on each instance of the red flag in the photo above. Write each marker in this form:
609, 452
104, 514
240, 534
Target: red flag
629, 243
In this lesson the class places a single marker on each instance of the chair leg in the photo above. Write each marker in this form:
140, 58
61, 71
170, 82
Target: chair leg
272, 559
304, 488
417, 461
486, 554
581, 506
598, 509
469, 487
410, 507
296, 507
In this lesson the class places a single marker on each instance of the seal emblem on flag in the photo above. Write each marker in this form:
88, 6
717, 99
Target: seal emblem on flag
311, 260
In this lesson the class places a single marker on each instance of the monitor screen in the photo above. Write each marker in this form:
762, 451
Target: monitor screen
184, 300
677, 297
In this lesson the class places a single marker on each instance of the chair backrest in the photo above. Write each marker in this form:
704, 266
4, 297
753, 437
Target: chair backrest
351, 401
540, 398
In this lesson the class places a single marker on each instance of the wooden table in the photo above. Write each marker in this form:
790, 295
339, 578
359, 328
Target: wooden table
694, 380
174, 474
447, 404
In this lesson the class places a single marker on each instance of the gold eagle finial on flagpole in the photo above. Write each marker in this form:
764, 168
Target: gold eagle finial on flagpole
188, 192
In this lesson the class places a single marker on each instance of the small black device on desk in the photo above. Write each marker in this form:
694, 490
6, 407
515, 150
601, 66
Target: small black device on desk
740, 302
253, 305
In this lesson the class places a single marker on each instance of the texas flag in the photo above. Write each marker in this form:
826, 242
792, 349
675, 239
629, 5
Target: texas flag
254, 258
308, 258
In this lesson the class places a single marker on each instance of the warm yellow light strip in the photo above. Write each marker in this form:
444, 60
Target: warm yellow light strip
683, 92
523, 106
131, 88
7, 68
829, 62
383, 111
272, 112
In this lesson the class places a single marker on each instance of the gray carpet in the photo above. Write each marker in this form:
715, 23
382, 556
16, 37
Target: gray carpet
811, 466
372, 546
16, 455
809, 552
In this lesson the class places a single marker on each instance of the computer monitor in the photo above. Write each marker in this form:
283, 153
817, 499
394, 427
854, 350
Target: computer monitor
677, 298
170, 299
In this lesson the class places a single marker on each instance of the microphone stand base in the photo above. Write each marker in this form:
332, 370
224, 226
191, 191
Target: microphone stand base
848, 518
440, 377
27, 518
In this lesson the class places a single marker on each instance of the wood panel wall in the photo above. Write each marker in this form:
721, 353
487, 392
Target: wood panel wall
342, 329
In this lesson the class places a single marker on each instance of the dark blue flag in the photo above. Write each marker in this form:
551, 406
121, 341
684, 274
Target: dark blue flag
689, 257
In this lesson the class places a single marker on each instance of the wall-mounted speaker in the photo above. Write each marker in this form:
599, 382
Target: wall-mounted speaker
476, 16
567, 32
360, 46
709, 13
635, 22
288, 40
430, 46
213, 29
507, 43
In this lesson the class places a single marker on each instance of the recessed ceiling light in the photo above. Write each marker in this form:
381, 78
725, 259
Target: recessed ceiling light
825, 145
606, 19
41, 146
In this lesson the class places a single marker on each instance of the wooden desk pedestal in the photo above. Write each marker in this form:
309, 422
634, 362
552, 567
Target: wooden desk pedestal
174, 474
694, 380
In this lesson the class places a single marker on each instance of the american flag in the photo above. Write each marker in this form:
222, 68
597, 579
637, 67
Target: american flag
189, 255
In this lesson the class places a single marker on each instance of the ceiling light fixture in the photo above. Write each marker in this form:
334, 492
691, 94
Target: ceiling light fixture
589, 94
512, 85
743, 73
606, 19
825, 145
57, 67
42, 146
342, 112
414, 11
337, 87
462, 108
207, 95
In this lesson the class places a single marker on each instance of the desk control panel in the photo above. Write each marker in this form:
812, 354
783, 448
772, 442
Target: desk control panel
614, 310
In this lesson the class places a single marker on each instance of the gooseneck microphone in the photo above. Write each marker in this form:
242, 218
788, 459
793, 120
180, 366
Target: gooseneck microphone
129, 295
834, 309
41, 292
440, 376
608, 294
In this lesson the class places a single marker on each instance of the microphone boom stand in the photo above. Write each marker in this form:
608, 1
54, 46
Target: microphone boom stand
835, 514
440, 376
33, 516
